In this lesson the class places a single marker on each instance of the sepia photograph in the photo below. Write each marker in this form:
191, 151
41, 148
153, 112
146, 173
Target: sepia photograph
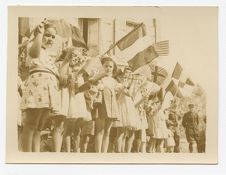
105, 85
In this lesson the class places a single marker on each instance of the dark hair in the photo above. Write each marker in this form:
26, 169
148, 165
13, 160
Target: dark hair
67, 53
127, 68
122, 73
49, 25
191, 105
105, 59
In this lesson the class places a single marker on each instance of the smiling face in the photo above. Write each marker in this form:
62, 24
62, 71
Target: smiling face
108, 67
49, 37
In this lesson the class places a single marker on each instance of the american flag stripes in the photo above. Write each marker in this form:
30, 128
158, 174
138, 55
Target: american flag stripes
162, 48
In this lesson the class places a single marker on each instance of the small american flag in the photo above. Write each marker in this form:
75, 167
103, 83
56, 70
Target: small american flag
162, 48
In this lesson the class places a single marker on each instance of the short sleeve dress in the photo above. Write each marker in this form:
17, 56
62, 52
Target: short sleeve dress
109, 106
73, 105
41, 89
157, 125
77, 103
127, 112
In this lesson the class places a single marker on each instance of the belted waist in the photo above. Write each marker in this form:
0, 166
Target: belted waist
44, 71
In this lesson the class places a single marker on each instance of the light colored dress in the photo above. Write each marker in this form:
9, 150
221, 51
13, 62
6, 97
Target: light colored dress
73, 105
157, 125
109, 106
139, 101
127, 112
142, 119
41, 88
170, 140
77, 103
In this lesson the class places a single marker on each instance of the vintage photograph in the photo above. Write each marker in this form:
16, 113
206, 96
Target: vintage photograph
114, 84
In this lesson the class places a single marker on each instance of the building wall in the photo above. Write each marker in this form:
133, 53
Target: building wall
112, 30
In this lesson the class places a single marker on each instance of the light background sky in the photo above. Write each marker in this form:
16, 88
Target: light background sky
193, 40
192, 36
134, 169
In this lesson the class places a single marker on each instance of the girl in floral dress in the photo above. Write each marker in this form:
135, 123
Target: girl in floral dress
40, 96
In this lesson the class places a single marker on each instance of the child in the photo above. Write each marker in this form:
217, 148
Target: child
170, 143
161, 131
88, 130
73, 102
128, 119
108, 110
151, 112
40, 95
173, 124
143, 125
157, 126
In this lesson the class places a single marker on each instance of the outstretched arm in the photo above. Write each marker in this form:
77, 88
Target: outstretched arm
35, 49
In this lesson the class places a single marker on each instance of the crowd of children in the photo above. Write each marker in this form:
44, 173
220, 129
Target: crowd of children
86, 114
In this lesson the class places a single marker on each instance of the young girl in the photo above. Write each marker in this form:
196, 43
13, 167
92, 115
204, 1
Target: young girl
140, 134
128, 119
157, 127
73, 102
141, 137
108, 110
170, 143
88, 130
40, 96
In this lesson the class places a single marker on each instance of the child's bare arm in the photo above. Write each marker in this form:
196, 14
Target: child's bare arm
35, 49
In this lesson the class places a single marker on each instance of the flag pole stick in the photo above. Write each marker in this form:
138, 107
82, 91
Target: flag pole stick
114, 22
164, 96
152, 86
121, 39
154, 24
176, 92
